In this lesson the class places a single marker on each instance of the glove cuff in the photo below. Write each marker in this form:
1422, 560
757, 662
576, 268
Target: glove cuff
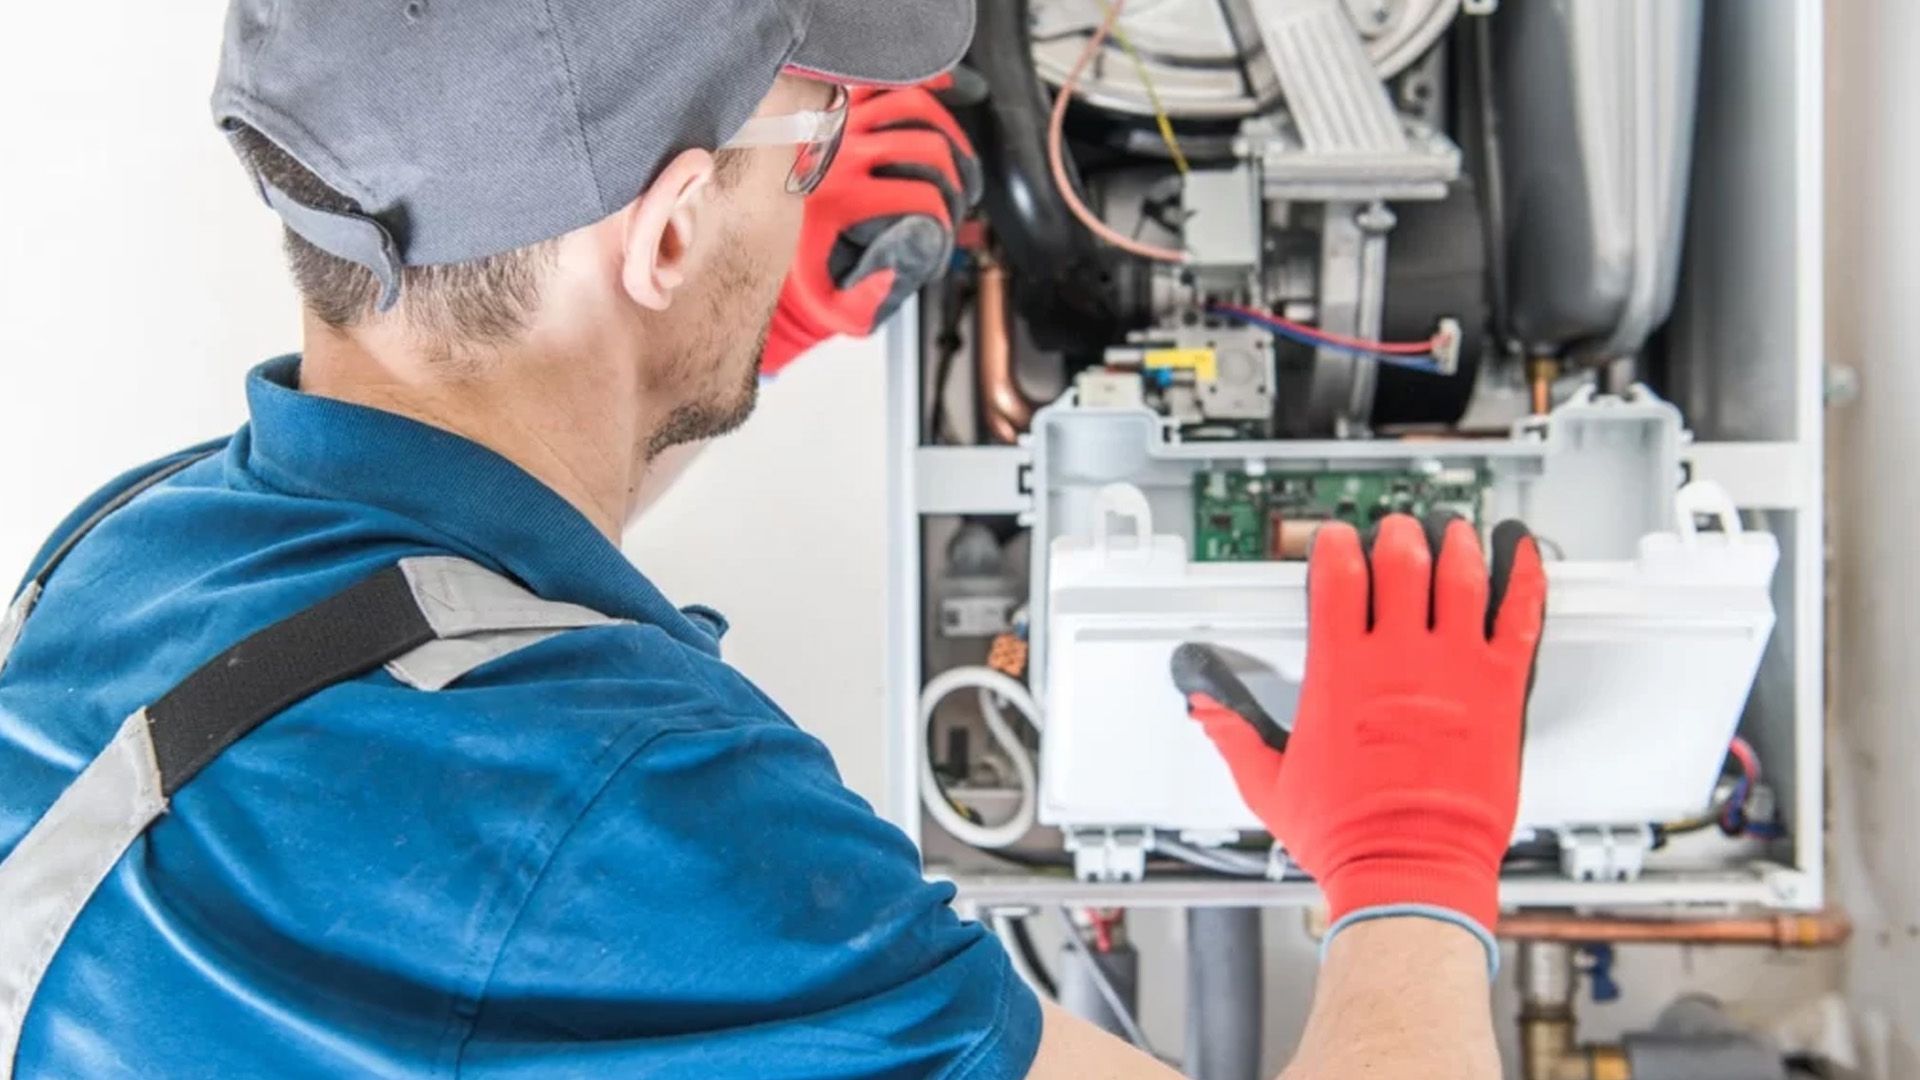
1421, 911
1470, 891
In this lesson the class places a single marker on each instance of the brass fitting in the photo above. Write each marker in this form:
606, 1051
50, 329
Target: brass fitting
1548, 1052
1541, 373
1549, 1046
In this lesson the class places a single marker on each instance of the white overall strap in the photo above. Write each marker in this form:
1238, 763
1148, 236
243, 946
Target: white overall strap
49, 877
477, 616
15, 620
429, 620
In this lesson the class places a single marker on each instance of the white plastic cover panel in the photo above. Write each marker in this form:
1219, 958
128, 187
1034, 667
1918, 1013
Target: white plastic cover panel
1644, 668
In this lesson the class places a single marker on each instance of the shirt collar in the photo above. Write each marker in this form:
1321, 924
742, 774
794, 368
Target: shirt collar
495, 511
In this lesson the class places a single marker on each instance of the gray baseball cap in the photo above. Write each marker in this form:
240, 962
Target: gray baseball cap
465, 128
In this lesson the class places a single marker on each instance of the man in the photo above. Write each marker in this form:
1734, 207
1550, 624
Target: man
469, 795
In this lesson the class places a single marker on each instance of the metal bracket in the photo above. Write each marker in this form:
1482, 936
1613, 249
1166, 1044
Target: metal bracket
973, 479
1341, 138
1604, 852
1335, 96
1109, 855
1339, 387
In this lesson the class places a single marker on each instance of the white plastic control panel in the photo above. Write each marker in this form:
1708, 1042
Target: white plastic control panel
1644, 668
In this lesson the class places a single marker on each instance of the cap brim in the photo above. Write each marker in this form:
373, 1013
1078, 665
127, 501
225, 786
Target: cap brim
890, 42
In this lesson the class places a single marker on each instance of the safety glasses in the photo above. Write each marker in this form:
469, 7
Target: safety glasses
816, 131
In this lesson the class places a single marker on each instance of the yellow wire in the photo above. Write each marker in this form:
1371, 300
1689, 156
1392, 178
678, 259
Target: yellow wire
1160, 116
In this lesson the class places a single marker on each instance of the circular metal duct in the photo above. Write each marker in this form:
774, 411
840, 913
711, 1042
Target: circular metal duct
1190, 50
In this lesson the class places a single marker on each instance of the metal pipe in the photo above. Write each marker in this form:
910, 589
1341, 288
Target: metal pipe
1224, 1015
1549, 1046
1549, 1042
1007, 410
1546, 1010
1818, 930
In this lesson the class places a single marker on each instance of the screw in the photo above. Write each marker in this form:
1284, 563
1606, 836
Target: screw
1785, 888
1840, 385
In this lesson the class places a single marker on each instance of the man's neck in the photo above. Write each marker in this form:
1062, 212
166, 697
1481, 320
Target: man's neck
568, 420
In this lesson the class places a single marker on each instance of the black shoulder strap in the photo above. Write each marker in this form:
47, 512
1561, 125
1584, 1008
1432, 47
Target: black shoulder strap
429, 619
381, 619
344, 636
413, 606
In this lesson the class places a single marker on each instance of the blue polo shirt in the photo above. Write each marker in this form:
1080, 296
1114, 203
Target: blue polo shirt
608, 854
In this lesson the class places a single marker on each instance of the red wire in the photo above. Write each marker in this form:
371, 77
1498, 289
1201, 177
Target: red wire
1749, 761
1057, 155
1387, 348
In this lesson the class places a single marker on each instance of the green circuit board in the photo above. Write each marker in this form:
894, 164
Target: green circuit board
1240, 516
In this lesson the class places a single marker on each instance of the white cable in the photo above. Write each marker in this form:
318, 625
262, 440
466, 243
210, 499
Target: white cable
1220, 860
990, 710
990, 683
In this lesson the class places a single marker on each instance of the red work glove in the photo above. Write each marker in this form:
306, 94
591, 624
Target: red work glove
1398, 786
880, 226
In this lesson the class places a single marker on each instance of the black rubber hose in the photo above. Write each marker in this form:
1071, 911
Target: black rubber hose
1030, 955
1476, 49
1061, 278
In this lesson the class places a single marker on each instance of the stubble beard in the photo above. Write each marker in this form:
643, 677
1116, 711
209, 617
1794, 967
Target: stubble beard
724, 411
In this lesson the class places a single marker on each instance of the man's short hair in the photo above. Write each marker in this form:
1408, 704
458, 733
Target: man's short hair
482, 301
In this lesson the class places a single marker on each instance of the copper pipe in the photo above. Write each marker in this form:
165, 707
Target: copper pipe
1541, 373
1815, 931
1007, 410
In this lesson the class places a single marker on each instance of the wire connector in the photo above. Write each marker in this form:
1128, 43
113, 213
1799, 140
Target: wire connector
1446, 346
1109, 855
1008, 655
1604, 852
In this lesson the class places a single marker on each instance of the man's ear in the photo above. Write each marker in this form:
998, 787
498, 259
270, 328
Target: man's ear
658, 230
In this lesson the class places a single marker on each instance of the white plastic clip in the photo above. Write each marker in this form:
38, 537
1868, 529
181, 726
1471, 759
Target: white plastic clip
1704, 499
1125, 503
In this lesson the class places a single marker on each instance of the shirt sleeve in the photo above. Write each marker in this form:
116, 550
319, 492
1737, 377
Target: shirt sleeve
727, 907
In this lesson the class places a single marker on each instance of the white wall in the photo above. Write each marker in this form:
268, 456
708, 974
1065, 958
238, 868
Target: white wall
1873, 320
138, 276
782, 527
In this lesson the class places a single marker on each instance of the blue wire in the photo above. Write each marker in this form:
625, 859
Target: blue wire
1288, 332
1733, 819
